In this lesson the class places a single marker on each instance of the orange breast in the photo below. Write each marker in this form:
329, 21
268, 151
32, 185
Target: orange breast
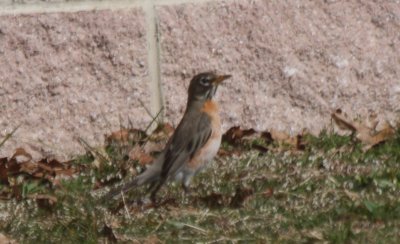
210, 149
210, 108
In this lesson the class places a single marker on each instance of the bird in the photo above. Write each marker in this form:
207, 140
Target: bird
192, 146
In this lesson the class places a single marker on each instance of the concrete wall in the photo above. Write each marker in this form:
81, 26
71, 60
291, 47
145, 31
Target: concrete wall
74, 68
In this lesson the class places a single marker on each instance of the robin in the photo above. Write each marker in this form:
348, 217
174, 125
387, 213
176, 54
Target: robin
194, 143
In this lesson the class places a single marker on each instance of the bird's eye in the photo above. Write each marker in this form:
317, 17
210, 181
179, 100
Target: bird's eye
205, 81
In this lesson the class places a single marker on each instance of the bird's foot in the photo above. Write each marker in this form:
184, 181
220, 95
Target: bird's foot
187, 193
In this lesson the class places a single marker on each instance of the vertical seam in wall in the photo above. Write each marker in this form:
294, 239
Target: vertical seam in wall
153, 59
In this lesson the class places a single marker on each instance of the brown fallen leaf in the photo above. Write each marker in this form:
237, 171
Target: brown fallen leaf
269, 192
151, 147
279, 136
138, 154
43, 166
119, 136
66, 172
378, 137
260, 141
368, 136
162, 133
235, 134
21, 164
283, 138
46, 169
55, 164
227, 153
13, 167
123, 136
28, 167
341, 121
3, 171
21, 155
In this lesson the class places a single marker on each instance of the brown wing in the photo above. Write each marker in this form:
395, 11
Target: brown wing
191, 135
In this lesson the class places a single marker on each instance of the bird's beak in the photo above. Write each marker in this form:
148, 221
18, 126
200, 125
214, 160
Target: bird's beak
220, 78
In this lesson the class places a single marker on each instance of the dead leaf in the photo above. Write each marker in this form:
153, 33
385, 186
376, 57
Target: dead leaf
21, 156
138, 154
260, 141
21, 164
341, 121
3, 171
225, 153
282, 137
243, 138
124, 136
269, 192
55, 164
28, 167
45, 167
66, 172
162, 133
13, 167
380, 137
235, 134
120, 136
241, 195
279, 136
151, 147
368, 136
266, 135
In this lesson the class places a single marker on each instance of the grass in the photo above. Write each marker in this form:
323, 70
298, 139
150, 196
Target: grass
330, 192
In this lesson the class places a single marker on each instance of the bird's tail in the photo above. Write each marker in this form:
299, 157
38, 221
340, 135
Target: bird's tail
151, 175
121, 189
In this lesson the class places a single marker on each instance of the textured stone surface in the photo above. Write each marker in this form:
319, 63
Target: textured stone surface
292, 62
35, 1
70, 75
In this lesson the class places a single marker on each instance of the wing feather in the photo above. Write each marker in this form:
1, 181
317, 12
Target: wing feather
189, 137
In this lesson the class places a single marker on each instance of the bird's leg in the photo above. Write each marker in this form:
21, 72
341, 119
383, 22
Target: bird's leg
186, 189
151, 187
186, 183
144, 199
156, 187
187, 193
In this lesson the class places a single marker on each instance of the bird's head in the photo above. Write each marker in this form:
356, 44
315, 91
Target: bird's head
204, 86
